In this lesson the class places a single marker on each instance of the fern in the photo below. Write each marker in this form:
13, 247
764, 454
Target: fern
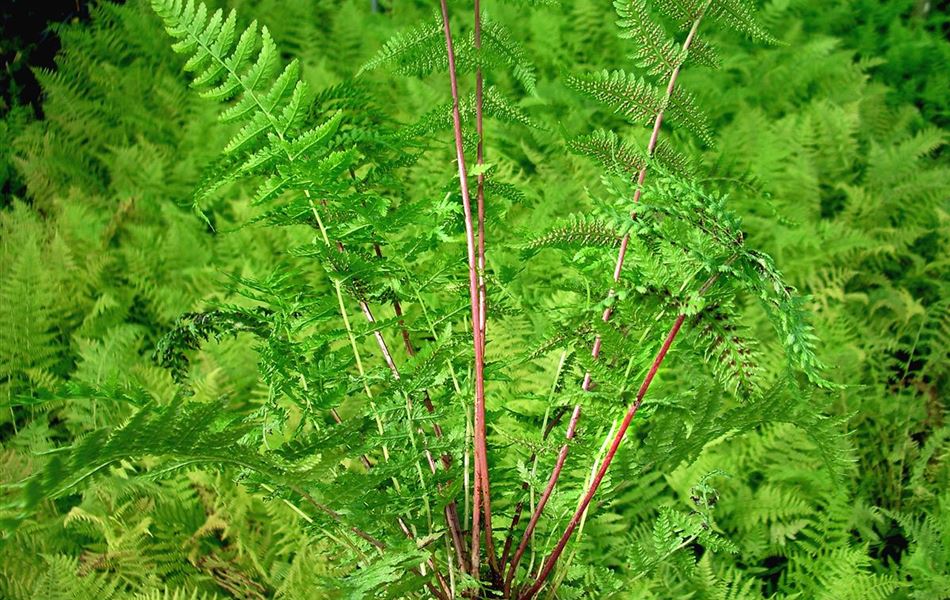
284, 396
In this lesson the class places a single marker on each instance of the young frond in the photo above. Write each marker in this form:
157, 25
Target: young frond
194, 328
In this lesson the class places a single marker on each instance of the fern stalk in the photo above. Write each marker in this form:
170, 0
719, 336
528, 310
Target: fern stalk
641, 177
480, 192
614, 445
450, 511
481, 496
595, 350
542, 501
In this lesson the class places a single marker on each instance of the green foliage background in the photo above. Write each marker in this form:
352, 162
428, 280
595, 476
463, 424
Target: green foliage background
831, 144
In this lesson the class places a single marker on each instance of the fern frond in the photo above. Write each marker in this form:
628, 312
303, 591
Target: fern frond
246, 71
624, 93
787, 313
606, 147
740, 15
673, 160
683, 109
497, 105
730, 356
499, 46
655, 53
579, 231
737, 14
418, 51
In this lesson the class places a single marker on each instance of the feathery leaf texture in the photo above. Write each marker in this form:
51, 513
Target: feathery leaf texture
625, 93
418, 51
730, 355
737, 14
655, 52
606, 147
183, 432
269, 103
579, 231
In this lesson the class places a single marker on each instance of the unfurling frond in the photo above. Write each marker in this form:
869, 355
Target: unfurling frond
194, 328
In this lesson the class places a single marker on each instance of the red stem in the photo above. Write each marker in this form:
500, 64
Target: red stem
482, 492
641, 176
608, 458
480, 160
595, 350
529, 530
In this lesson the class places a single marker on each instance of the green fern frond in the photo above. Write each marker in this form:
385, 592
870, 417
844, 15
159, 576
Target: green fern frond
244, 71
737, 14
500, 47
497, 105
674, 161
730, 356
418, 51
704, 53
579, 232
786, 310
606, 147
740, 15
683, 109
192, 329
655, 52
626, 94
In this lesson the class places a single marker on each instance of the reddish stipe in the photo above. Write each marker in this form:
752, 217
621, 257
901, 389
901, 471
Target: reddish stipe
605, 464
595, 351
480, 193
529, 530
482, 495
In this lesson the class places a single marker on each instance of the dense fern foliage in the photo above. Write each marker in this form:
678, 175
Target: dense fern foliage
540, 299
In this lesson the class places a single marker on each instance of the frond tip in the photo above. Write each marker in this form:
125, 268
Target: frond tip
244, 71
655, 52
